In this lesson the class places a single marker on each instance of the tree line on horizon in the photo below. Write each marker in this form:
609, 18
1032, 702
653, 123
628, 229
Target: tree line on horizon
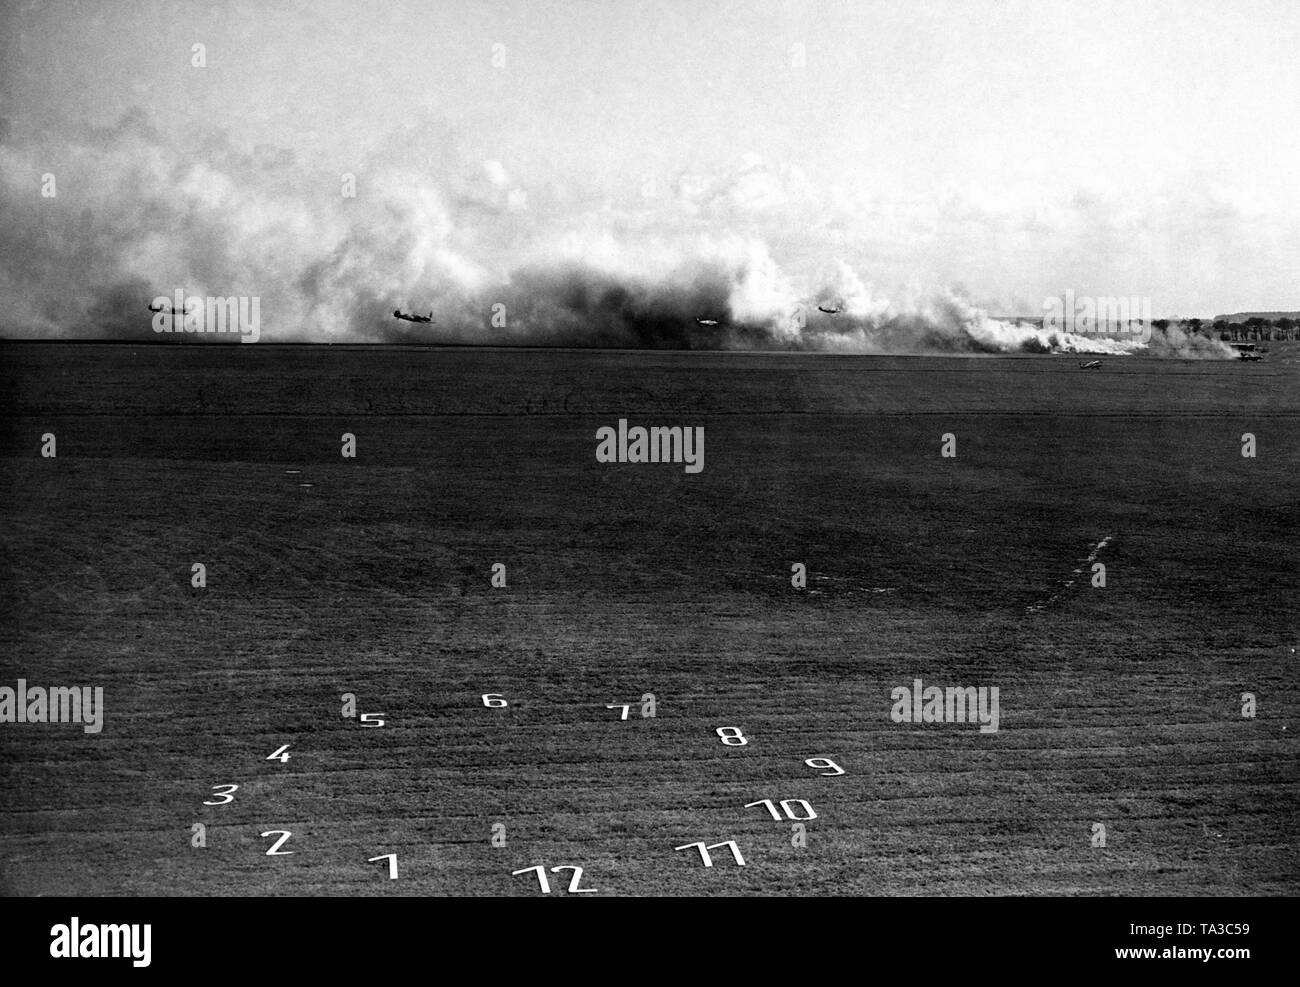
1254, 328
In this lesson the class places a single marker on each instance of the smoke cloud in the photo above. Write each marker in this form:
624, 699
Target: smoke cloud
100, 222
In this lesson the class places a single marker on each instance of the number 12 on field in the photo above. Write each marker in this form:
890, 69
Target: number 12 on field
540, 871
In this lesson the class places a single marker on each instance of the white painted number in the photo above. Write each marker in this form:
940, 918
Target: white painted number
577, 879
733, 739
392, 864
366, 722
275, 850
541, 876
623, 706
493, 700
228, 795
785, 805
280, 755
825, 762
540, 871
704, 851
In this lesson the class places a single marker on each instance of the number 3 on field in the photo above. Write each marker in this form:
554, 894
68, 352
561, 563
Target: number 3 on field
227, 796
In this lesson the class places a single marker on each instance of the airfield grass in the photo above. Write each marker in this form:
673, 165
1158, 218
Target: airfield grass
1118, 705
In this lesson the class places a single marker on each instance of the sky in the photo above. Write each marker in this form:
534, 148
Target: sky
1003, 151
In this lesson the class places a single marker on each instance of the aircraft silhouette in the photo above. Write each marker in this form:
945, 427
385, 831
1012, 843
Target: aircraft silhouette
707, 322
1090, 365
161, 309
399, 314
828, 311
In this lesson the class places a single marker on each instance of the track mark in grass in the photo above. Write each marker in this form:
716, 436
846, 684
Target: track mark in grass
1092, 557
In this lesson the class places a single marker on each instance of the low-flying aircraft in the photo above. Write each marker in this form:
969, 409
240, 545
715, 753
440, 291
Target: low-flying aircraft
399, 314
707, 322
160, 309
1090, 365
828, 311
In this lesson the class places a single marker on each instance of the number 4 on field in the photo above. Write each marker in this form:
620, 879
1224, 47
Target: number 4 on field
279, 755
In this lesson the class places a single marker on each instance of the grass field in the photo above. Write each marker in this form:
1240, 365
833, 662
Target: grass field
1119, 705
